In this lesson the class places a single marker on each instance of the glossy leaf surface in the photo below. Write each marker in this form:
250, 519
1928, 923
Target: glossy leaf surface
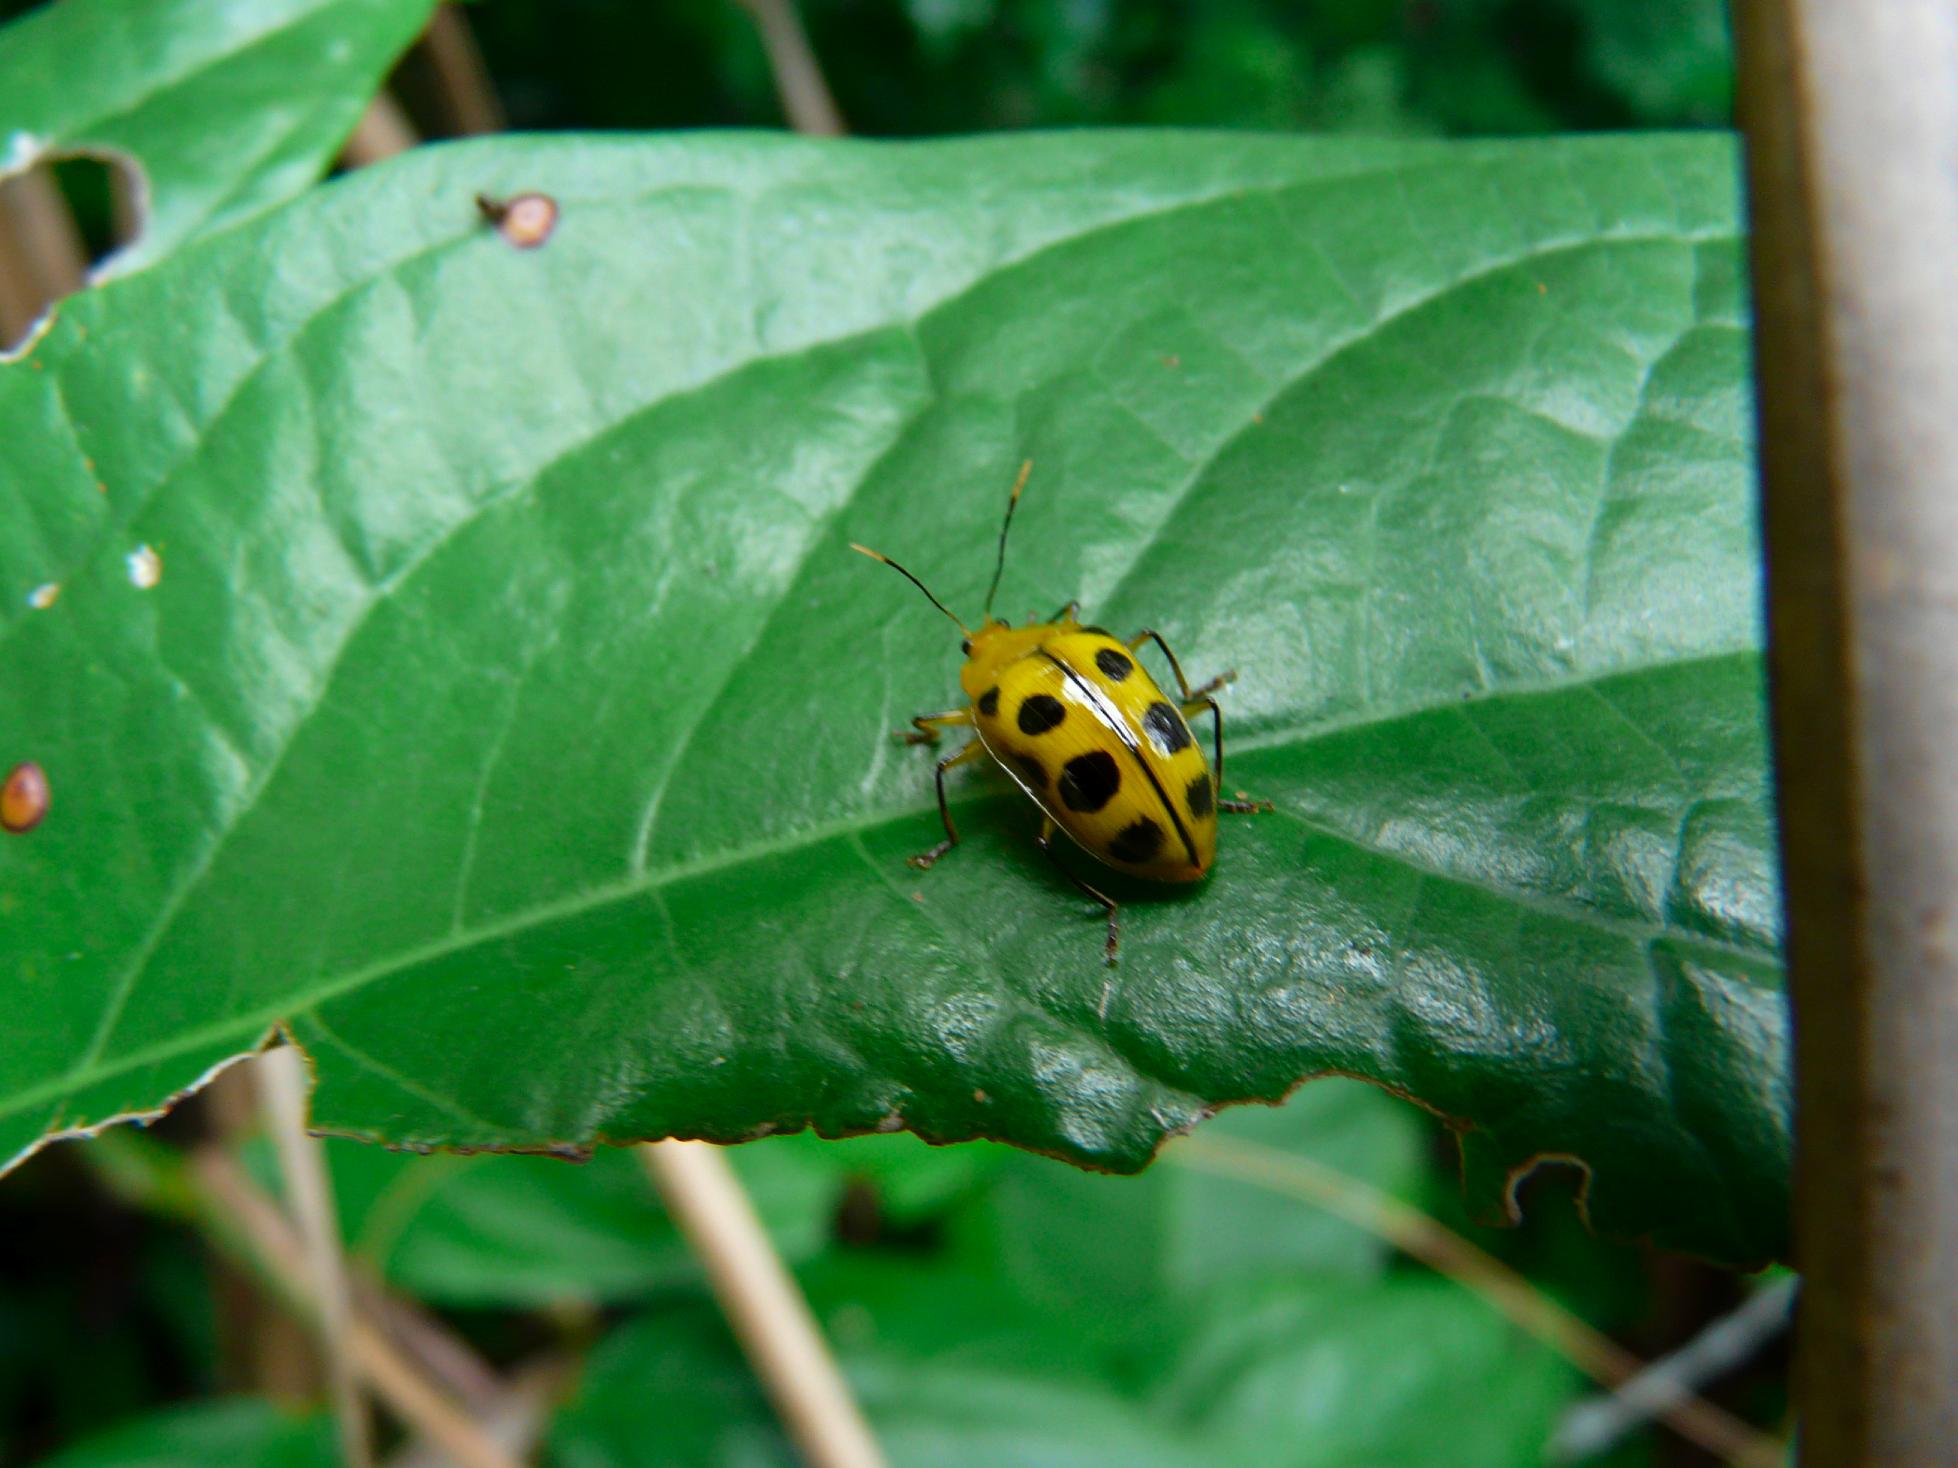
227, 108
500, 705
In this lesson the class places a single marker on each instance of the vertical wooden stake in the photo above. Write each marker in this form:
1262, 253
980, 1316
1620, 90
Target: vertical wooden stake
1851, 117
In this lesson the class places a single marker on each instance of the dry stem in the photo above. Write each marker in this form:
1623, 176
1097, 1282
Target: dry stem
769, 1315
282, 1087
806, 99
237, 1203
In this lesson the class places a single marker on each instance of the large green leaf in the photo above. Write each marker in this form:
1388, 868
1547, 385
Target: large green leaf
227, 106
511, 719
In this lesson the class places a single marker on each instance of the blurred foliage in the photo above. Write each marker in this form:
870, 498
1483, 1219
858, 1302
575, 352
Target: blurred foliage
237, 1432
83, 1280
907, 68
990, 1306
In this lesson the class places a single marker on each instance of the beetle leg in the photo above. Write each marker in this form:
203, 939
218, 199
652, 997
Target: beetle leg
1202, 701
923, 860
924, 729
1045, 840
1190, 695
1199, 698
1066, 613
1235, 807
1193, 698
1196, 706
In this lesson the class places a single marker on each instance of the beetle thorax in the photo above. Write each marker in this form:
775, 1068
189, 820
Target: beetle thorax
995, 646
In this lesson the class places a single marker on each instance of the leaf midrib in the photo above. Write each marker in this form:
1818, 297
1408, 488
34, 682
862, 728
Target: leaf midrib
852, 828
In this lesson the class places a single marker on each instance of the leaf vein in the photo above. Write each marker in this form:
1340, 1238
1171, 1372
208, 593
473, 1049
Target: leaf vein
1336, 348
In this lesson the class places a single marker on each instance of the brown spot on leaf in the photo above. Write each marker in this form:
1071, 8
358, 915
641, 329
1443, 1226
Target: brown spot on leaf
526, 220
24, 798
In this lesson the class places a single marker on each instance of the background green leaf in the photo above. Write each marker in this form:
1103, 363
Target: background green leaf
951, 1288
1296, 1375
242, 1431
511, 720
496, 1230
1059, 1317
227, 108
907, 68
1669, 58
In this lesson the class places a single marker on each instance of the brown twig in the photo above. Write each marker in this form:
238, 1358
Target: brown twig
282, 1085
769, 1315
514, 1417
42, 257
383, 131
441, 1356
1600, 1424
1448, 1253
461, 81
265, 1348
806, 99
235, 1203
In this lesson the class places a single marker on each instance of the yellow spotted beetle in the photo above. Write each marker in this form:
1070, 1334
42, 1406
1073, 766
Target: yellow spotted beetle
1082, 728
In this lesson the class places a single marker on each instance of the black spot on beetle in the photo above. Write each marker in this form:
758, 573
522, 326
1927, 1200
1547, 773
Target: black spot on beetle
1089, 781
1137, 842
1167, 726
1041, 712
1098, 631
1031, 770
1115, 664
1202, 799
989, 701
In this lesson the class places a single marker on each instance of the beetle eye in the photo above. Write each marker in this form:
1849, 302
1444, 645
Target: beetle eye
965, 646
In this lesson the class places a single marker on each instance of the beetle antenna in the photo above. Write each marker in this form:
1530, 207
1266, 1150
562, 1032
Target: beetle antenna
999, 567
878, 556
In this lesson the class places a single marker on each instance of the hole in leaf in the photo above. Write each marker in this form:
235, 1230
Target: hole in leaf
59, 220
